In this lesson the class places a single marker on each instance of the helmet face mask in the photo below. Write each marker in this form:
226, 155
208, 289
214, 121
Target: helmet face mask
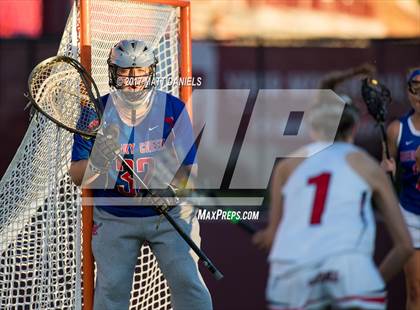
132, 71
134, 78
133, 99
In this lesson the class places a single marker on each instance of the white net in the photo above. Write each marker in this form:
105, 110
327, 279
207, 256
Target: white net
40, 241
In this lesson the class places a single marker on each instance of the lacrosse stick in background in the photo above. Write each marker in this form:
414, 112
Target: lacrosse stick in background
335, 78
377, 97
62, 90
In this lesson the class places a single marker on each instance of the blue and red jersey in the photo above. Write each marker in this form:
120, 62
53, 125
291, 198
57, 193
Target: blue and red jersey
165, 133
410, 175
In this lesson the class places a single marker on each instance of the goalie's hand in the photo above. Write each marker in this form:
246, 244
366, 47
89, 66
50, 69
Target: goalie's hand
105, 150
164, 198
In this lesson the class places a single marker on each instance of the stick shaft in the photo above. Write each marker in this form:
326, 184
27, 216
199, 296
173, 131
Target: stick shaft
385, 142
207, 262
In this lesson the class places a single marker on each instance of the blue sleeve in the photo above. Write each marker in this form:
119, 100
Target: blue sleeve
184, 141
81, 147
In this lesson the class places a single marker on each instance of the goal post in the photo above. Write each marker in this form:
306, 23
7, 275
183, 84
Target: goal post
87, 209
45, 222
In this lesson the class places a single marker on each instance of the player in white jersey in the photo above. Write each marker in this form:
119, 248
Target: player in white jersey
321, 227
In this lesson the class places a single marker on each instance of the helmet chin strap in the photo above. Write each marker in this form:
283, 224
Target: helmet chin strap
133, 106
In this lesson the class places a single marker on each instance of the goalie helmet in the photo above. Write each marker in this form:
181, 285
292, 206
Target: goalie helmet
132, 54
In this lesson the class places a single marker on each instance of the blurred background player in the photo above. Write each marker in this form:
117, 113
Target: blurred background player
404, 148
138, 121
321, 226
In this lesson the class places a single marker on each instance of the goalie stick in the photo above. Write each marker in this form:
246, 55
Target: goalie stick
62, 90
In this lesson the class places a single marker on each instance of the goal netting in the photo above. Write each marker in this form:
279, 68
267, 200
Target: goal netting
40, 213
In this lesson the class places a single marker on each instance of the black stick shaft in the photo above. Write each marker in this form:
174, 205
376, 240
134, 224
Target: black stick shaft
385, 140
387, 154
206, 261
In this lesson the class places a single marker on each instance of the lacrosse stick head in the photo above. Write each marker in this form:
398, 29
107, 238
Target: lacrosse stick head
377, 97
62, 90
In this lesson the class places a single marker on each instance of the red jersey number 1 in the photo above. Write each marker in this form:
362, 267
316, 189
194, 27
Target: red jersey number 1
321, 183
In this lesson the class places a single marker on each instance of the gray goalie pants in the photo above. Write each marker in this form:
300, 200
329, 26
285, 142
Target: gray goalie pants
116, 242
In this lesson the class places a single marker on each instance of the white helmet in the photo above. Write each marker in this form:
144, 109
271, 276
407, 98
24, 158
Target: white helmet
132, 54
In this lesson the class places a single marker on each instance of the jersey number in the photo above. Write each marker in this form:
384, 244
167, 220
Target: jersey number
321, 183
141, 166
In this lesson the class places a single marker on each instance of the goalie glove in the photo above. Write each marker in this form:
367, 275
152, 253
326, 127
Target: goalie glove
105, 151
164, 198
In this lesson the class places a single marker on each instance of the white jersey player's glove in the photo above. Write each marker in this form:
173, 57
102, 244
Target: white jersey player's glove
105, 150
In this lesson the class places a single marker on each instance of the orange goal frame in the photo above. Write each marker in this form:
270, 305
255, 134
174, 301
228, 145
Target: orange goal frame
185, 95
